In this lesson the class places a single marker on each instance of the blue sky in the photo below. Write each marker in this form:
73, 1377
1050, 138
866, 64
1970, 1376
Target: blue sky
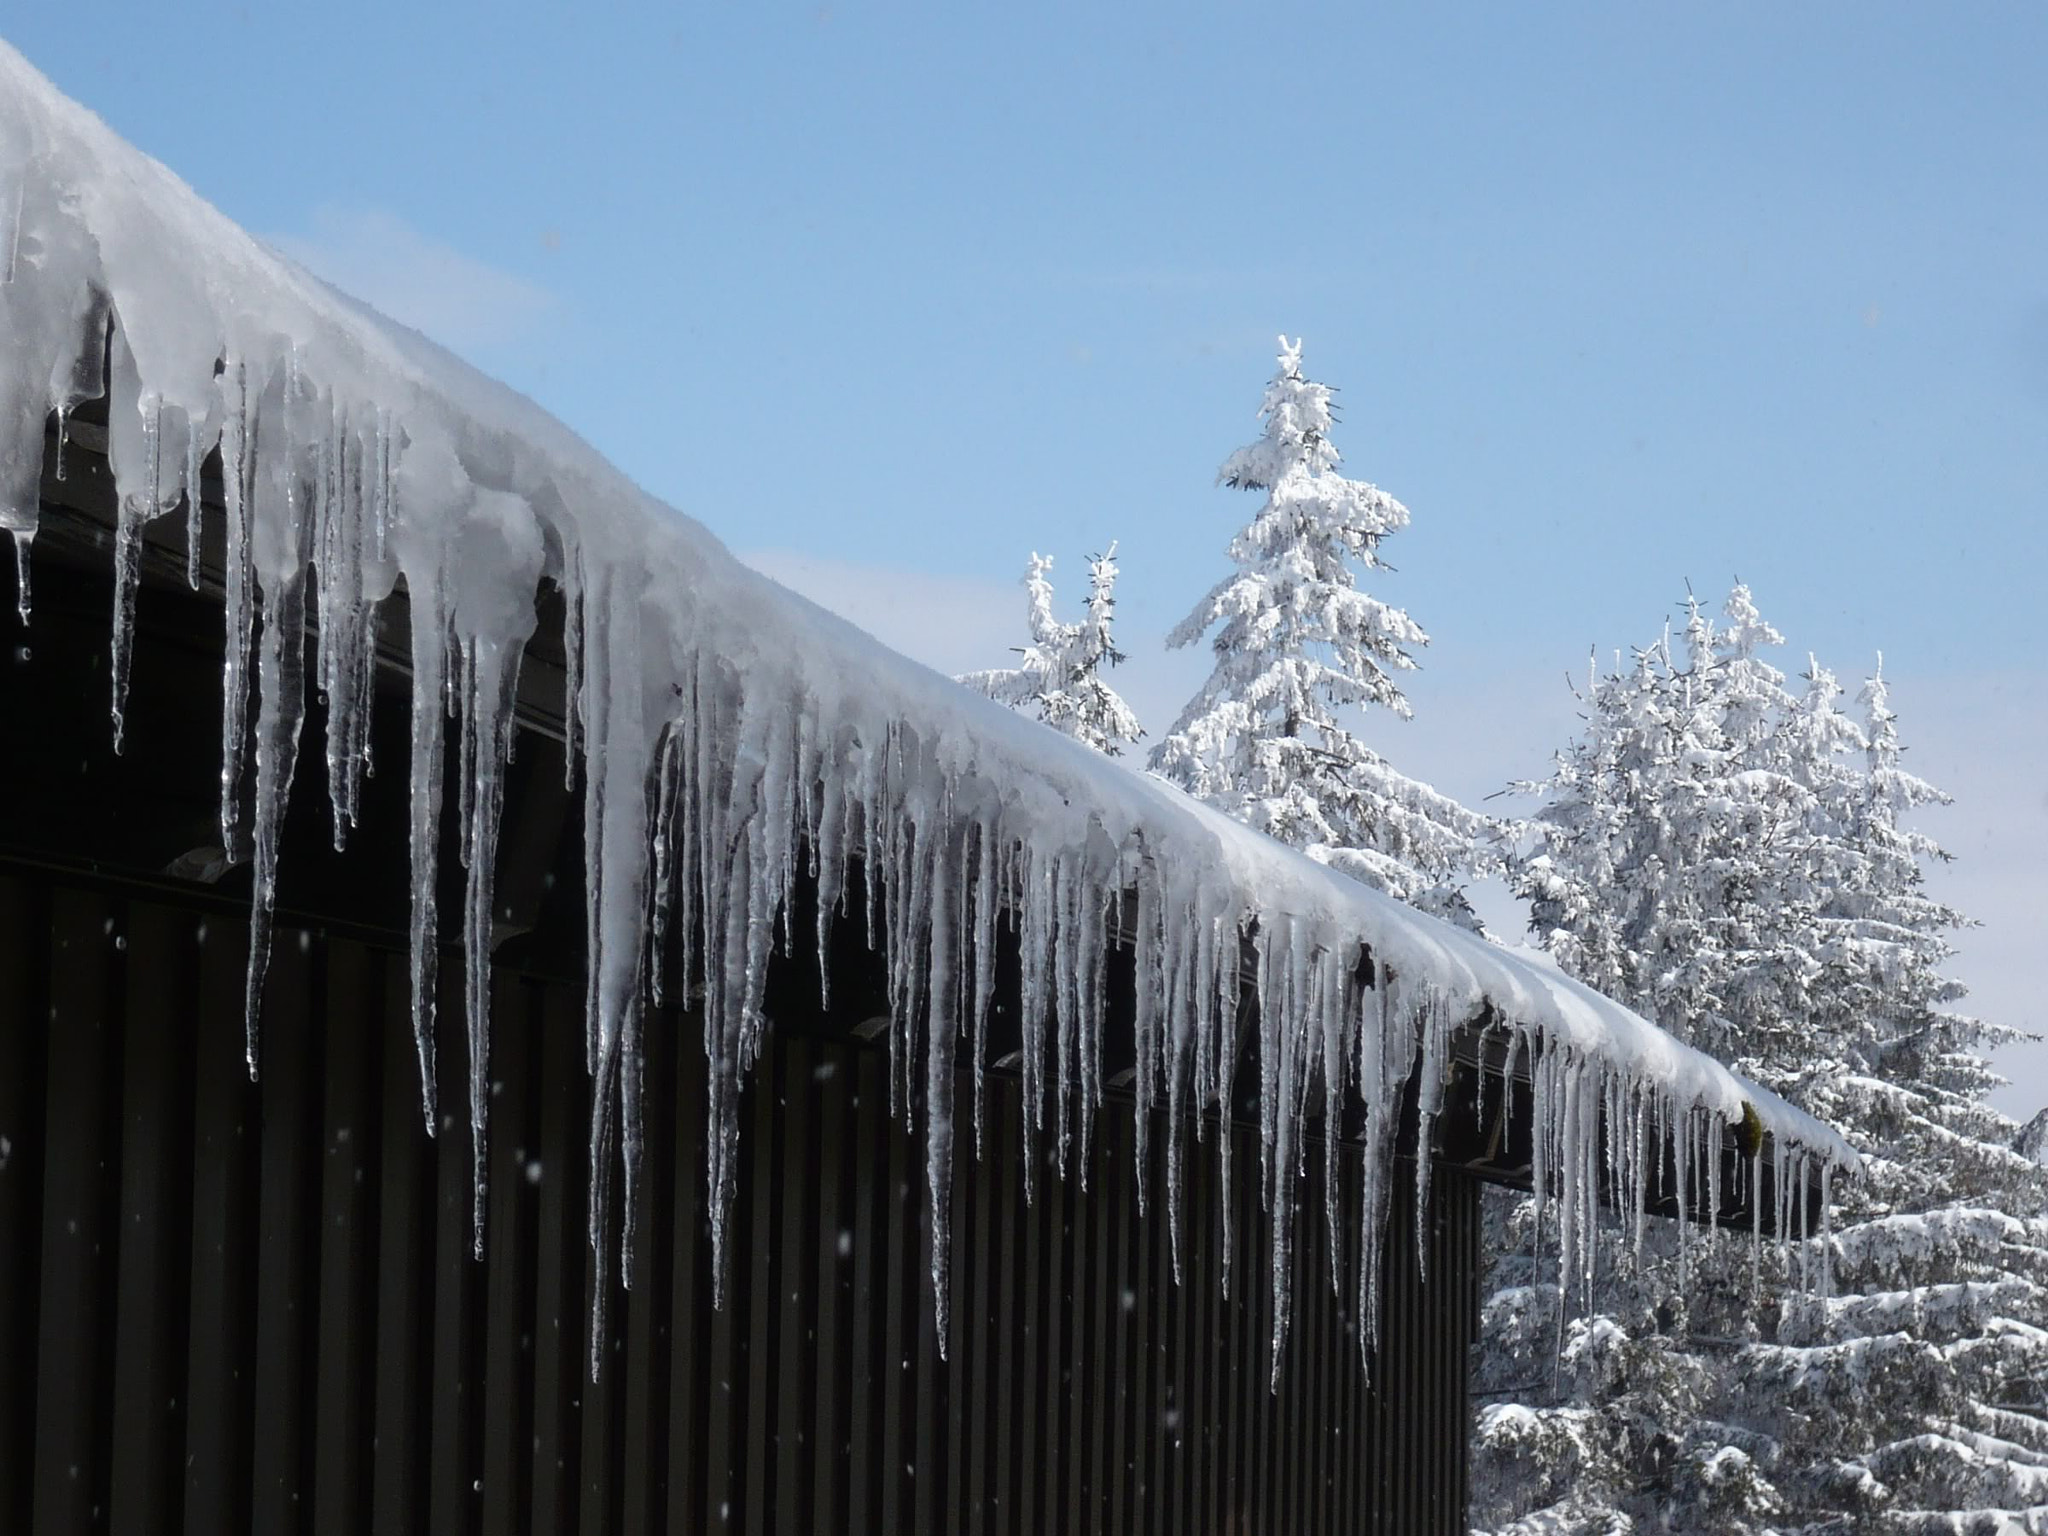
1617, 297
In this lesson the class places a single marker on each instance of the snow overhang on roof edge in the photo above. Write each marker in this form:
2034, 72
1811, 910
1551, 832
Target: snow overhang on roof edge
356, 452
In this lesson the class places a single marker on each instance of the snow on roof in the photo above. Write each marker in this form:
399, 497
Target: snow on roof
781, 741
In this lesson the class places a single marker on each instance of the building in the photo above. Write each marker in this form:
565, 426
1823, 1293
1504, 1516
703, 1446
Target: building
927, 1076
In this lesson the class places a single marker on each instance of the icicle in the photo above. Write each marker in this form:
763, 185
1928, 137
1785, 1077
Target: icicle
620, 742
1827, 1239
667, 790
828, 856
348, 621
1374, 1035
237, 490
1756, 1218
429, 678
1430, 1025
1681, 1151
573, 716
14, 228
194, 452
1566, 1170
1175, 938
493, 675
281, 709
23, 603
1336, 1012
945, 1034
1639, 1197
1805, 1232
985, 917
136, 508
1281, 994
1233, 1008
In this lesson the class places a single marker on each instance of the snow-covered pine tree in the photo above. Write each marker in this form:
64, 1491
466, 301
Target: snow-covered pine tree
1060, 671
1730, 858
1649, 880
1913, 1399
1298, 645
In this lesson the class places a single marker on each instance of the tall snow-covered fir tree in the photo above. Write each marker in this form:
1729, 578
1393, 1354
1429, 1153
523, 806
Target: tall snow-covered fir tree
1648, 881
1729, 857
1297, 643
1060, 672
1915, 1397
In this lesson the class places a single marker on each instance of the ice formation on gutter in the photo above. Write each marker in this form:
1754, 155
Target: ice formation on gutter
781, 745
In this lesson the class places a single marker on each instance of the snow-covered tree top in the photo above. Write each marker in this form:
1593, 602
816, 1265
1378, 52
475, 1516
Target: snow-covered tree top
774, 731
1060, 672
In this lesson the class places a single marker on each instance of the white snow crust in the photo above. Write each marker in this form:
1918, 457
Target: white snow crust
781, 744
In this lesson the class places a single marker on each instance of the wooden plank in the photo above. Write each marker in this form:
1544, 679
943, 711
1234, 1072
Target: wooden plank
559, 1366
226, 1115
1327, 1357
510, 1245
723, 1422
1398, 1387
1289, 1448
1038, 1347
1308, 1351
1471, 1261
155, 1226
1082, 1349
1233, 1382
77, 1258
597, 1490
1116, 1194
1183, 1430
290, 1159
929, 1405
644, 1384
872, 1197
978, 1371
943, 1444
404, 1285
894, 1447
1250, 1283
24, 1039
761, 1281
1153, 1291
1057, 1385
835, 1238
1011, 1334
343, 1380
690, 1298
795, 1378
1356, 1407
453, 1421
1258, 1385
1170, 1342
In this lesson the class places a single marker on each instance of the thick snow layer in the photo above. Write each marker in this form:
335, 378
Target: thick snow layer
780, 743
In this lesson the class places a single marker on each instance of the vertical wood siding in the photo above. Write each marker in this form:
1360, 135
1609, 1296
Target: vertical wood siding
231, 1307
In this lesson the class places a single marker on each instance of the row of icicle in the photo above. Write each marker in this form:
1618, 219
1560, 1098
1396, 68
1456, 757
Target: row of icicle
710, 794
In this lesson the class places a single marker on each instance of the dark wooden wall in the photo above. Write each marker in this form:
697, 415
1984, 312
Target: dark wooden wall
229, 1307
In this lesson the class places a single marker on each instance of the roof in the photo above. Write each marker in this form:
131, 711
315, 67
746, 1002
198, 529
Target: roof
779, 741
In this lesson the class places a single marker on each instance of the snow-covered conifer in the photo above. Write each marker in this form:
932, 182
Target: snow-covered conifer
1060, 671
1911, 1398
1297, 646
1728, 856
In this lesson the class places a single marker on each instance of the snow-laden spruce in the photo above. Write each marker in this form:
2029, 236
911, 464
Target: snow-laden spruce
1059, 674
1725, 850
1937, 1317
1299, 644
731, 741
